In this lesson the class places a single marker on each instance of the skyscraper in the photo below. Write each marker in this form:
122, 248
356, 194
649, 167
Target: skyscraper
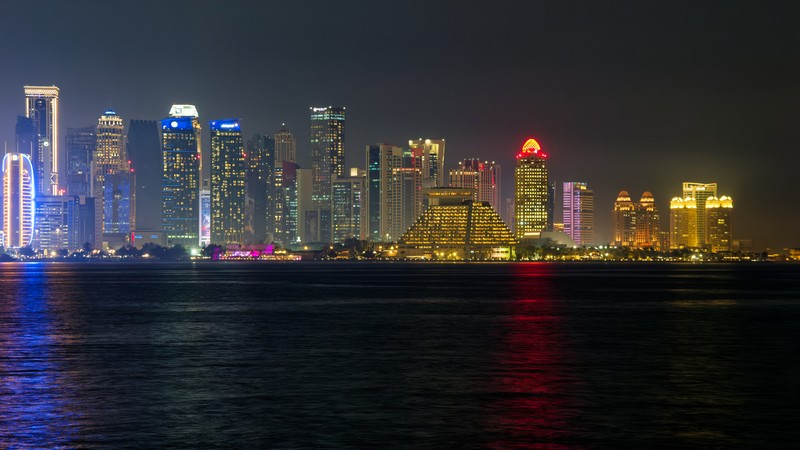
110, 160
683, 223
482, 176
394, 190
327, 160
578, 212
227, 182
286, 201
18, 199
432, 159
623, 221
181, 153
81, 144
260, 189
285, 146
25, 134
349, 207
144, 151
530, 191
41, 106
718, 223
700, 192
648, 227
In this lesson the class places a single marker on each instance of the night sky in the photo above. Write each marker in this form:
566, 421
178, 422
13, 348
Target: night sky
623, 95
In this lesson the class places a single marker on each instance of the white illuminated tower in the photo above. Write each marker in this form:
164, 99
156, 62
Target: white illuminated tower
18, 197
578, 212
41, 106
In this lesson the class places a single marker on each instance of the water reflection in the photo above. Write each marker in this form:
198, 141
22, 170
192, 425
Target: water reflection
35, 410
533, 379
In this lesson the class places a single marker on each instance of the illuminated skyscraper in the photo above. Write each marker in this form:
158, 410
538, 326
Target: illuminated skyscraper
394, 190
648, 227
327, 161
578, 212
349, 207
683, 223
41, 105
81, 143
119, 214
700, 192
286, 201
109, 154
623, 221
285, 146
205, 215
227, 182
531, 191
18, 199
482, 176
718, 223
635, 224
260, 190
180, 150
432, 159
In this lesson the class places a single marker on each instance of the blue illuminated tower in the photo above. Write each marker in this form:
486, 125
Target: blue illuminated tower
180, 182
227, 182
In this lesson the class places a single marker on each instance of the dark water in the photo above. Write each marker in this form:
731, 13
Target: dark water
399, 355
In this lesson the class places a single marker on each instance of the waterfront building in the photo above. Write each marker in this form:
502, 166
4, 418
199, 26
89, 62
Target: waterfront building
394, 190
18, 199
578, 212
227, 182
636, 224
718, 223
286, 202
531, 192
205, 214
25, 136
647, 229
285, 145
110, 161
327, 161
551, 207
349, 207
481, 176
41, 106
55, 217
307, 212
181, 154
431, 152
456, 227
119, 215
700, 192
623, 221
144, 152
80, 147
683, 223
260, 190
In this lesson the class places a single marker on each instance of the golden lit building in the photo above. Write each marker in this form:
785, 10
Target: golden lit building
623, 223
456, 227
647, 228
683, 223
700, 192
431, 152
531, 191
718, 223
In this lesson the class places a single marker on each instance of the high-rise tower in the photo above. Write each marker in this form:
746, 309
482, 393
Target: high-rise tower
144, 151
718, 223
181, 154
578, 212
482, 176
327, 161
41, 105
432, 161
81, 143
227, 182
260, 189
530, 191
18, 199
285, 146
699, 192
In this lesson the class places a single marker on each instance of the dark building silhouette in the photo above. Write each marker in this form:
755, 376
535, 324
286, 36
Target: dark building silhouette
144, 151
81, 143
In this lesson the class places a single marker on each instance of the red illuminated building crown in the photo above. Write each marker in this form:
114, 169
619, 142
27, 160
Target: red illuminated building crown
531, 147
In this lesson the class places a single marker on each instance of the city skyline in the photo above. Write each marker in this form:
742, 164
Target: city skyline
701, 108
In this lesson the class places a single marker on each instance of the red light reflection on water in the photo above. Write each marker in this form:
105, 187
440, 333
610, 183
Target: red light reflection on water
532, 381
